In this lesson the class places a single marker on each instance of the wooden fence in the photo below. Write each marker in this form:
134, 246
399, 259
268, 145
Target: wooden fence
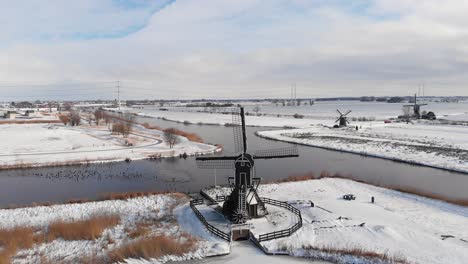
211, 228
285, 232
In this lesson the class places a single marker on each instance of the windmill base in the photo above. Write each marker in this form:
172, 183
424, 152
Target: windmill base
240, 234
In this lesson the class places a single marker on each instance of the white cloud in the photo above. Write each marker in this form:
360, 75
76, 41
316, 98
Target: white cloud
201, 48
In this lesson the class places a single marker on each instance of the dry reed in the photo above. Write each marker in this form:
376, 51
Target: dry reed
21, 122
81, 230
153, 247
12, 240
359, 252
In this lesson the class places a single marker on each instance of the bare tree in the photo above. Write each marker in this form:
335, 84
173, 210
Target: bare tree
118, 128
406, 111
129, 120
98, 115
75, 118
171, 137
90, 119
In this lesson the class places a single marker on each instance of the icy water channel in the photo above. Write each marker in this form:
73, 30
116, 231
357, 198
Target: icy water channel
26, 186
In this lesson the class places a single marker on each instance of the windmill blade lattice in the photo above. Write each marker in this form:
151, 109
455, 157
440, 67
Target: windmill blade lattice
237, 131
276, 153
215, 163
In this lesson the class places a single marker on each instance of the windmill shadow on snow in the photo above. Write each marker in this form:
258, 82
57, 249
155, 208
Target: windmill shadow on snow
243, 202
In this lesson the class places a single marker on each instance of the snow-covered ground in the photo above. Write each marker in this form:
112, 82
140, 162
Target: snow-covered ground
163, 214
440, 143
404, 226
409, 227
442, 146
320, 113
43, 144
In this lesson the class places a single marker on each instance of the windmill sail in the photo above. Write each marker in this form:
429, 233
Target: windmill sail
238, 126
276, 153
225, 162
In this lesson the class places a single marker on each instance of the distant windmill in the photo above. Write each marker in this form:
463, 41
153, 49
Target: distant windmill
416, 107
343, 119
243, 202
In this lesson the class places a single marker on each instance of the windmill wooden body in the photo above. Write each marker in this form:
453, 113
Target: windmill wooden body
343, 119
416, 107
243, 202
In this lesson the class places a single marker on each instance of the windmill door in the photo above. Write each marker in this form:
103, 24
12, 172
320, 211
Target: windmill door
243, 178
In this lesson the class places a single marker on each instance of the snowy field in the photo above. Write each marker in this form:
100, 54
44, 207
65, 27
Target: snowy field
52, 144
442, 143
442, 146
319, 113
403, 226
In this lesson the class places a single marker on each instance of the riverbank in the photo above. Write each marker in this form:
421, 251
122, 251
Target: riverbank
397, 227
442, 147
47, 145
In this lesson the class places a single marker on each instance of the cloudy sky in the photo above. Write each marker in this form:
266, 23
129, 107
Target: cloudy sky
231, 48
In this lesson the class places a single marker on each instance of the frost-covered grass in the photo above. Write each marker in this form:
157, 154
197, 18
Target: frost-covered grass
155, 226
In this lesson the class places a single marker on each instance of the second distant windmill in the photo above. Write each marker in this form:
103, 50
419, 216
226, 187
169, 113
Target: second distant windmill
342, 120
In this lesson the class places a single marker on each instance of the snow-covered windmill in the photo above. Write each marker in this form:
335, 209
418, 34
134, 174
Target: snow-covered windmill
343, 119
243, 202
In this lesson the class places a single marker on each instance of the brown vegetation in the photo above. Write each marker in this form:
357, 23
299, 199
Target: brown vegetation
81, 230
153, 247
22, 122
148, 126
12, 240
64, 119
141, 230
359, 252
190, 136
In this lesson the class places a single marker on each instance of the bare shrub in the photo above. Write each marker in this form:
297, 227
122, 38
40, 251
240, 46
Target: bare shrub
64, 119
153, 247
81, 230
